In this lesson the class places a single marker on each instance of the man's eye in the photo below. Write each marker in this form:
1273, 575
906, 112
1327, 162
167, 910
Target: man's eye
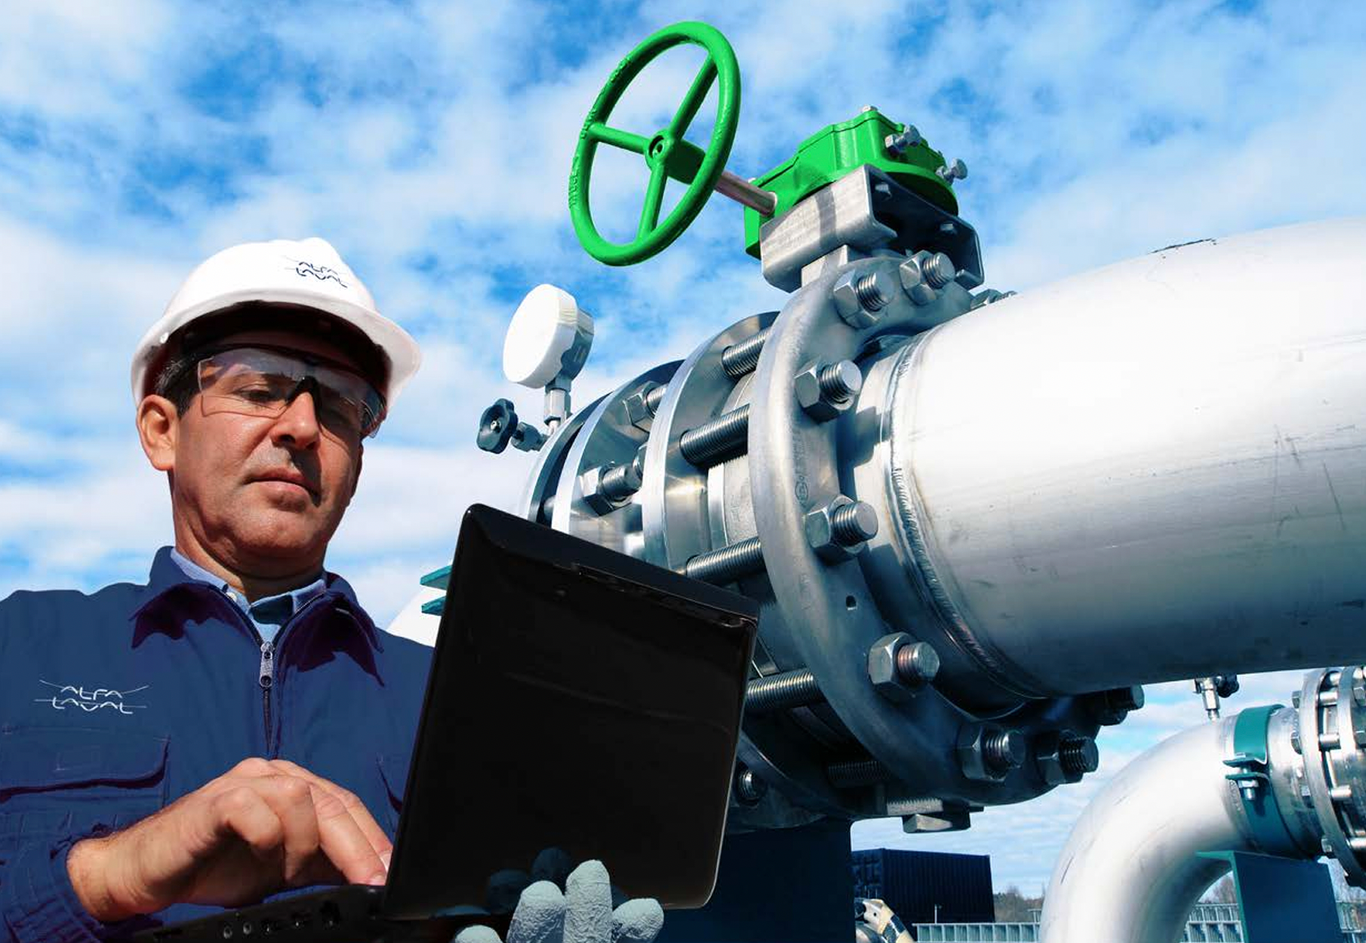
257, 393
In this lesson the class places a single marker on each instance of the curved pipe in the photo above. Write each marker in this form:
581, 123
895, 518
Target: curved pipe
1130, 865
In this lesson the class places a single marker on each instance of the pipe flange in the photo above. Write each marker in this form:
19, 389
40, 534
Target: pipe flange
1333, 758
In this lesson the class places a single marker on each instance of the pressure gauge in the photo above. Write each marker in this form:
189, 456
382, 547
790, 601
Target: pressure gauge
548, 340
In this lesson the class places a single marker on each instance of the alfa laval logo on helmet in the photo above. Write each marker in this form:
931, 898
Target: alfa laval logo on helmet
321, 272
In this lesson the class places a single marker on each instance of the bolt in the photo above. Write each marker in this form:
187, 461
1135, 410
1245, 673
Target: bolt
1329, 741
938, 269
1295, 741
749, 788
900, 667
781, 691
857, 773
1342, 793
1079, 755
898, 144
915, 281
988, 753
1249, 790
854, 523
859, 297
740, 359
956, 170
642, 405
1357, 843
1004, 750
840, 528
727, 564
826, 390
917, 663
718, 439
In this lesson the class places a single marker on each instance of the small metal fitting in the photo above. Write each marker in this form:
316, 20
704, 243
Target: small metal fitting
741, 358
988, 753
1112, 706
824, 390
726, 564
749, 788
860, 296
924, 273
898, 144
956, 170
717, 440
1062, 756
640, 411
787, 689
840, 528
900, 667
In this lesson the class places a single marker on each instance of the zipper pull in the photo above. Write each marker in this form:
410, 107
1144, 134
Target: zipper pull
267, 664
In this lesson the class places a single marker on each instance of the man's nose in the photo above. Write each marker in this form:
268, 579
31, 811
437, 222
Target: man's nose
298, 424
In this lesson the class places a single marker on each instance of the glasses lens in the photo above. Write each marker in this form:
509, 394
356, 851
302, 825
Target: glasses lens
260, 382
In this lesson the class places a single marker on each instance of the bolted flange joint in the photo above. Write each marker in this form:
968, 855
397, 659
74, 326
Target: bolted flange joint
840, 528
824, 390
987, 753
1062, 756
901, 667
924, 273
860, 296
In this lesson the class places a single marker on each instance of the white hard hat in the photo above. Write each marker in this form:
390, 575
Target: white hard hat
308, 273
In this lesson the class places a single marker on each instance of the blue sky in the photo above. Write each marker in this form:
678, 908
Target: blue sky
431, 142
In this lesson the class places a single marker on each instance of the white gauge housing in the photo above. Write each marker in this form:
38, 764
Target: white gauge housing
547, 325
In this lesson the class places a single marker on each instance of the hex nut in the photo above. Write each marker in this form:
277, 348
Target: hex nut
914, 280
972, 753
637, 412
820, 532
813, 400
860, 295
882, 668
1112, 706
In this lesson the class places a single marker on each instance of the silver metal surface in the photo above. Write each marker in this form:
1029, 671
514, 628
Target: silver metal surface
745, 193
1159, 472
838, 215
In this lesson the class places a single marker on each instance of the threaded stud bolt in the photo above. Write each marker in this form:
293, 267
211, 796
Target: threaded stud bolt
1079, 756
853, 524
718, 439
938, 270
727, 564
1004, 749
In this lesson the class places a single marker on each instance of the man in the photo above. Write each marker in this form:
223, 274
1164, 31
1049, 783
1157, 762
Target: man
239, 725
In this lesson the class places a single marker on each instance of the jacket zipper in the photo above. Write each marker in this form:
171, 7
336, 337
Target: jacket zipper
267, 679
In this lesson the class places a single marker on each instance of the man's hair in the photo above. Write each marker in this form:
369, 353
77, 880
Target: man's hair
177, 378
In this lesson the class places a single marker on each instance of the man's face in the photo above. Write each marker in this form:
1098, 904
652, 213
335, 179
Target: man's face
261, 495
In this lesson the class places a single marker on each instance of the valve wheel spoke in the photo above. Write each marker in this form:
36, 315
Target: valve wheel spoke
654, 199
687, 110
625, 140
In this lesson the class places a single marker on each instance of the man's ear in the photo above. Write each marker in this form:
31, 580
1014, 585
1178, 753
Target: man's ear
355, 479
158, 429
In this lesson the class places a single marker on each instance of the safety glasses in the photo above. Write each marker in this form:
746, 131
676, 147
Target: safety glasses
263, 381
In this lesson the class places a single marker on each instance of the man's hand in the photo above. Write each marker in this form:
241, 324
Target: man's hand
261, 827
582, 914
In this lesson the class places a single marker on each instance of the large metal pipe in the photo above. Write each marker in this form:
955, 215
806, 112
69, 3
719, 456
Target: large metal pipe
1155, 470
1130, 864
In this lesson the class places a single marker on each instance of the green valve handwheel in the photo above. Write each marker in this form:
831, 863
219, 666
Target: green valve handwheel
666, 153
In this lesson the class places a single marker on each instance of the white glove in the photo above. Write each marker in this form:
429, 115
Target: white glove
582, 914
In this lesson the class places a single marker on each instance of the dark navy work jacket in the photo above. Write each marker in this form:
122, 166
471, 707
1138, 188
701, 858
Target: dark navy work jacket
116, 703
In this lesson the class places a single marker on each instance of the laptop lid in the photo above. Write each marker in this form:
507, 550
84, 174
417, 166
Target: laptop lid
578, 699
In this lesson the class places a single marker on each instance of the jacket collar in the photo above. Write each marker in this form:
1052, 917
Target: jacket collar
167, 581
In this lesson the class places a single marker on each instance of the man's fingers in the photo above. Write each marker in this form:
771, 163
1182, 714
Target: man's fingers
637, 921
291, 799
539, 917
477, 934
242, 813
354, 807
588, 904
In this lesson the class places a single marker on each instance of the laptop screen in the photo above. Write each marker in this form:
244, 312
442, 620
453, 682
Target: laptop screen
578, 699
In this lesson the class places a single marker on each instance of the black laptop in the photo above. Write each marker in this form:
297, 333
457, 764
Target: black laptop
578, 699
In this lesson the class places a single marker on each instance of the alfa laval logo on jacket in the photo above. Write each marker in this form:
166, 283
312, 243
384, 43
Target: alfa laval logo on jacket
321, 272
66, 697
